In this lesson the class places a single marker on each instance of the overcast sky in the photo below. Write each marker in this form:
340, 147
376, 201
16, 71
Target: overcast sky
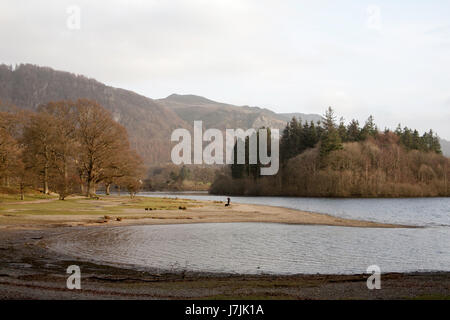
386, 58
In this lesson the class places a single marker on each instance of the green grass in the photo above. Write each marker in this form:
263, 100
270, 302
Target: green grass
84, 206
29, 197
70, 206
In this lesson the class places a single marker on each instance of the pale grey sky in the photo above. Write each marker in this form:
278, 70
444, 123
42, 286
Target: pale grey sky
386, 58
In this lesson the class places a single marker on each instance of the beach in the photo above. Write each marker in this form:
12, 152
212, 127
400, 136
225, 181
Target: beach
120, 211
29, 270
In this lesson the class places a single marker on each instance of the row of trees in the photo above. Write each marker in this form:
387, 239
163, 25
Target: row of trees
298, 137
412, 140
248, 169
67, 147
334, 159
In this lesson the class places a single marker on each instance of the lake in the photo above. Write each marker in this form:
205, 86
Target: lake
252, 248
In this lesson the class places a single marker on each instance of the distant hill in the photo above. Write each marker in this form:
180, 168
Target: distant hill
221, 115
445, 146
149, 124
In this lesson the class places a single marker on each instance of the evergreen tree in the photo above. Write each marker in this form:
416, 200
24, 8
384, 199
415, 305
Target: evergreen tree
342, 130
370, 129
353, 131
416, 141
398, 130
330, 140
330, 119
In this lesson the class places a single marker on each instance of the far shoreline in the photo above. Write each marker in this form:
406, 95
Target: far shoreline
207, 193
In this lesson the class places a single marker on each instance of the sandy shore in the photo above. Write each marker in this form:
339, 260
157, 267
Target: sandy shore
196, 212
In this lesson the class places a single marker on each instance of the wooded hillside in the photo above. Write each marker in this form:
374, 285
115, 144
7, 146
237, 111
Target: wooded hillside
338, 160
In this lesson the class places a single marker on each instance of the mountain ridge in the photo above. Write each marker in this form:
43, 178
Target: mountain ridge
149, 122
27, 86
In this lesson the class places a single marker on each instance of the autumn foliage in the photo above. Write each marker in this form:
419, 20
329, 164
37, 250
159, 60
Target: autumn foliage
333, 160
66, 147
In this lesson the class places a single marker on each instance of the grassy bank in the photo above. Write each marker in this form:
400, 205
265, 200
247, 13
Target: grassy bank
8, 194
49, 205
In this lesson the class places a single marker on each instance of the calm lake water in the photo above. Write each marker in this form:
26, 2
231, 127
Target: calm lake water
253, 248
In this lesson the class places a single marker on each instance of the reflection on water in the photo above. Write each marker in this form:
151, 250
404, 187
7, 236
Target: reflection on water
278, 248
262, 248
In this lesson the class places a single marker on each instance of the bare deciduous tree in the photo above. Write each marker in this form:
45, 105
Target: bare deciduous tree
9, 147
103, 145
64, 146
38, 140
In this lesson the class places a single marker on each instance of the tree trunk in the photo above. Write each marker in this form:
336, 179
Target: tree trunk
66, 179
22, 195
91, 190
7, 181
108, 185
45, 181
